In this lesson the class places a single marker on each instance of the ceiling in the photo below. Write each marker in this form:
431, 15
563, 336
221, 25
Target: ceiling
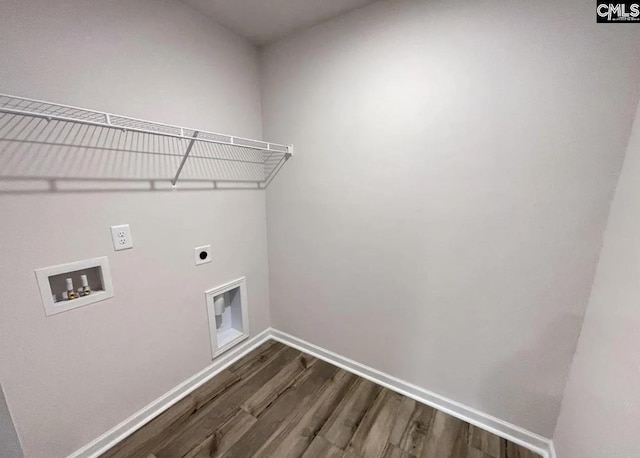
264, 21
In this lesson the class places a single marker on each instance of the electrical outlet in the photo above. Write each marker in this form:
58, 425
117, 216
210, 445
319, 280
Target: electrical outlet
202, 254
121, 236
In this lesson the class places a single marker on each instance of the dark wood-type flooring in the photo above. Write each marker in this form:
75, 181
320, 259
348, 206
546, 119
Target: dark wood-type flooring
279, 402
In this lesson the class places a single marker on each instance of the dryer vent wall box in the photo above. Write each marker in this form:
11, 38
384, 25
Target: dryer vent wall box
227, 309
75, 284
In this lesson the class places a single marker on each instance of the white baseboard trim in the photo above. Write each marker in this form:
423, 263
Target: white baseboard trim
140, 418
492, 424
487, 422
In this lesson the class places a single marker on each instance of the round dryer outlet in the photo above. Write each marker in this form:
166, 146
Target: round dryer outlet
202, 254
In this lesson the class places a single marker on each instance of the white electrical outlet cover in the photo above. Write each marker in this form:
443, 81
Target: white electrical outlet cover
121, 236
202, 254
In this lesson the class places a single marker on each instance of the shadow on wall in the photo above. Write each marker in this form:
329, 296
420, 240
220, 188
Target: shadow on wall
9, 443
512, 388
37, 155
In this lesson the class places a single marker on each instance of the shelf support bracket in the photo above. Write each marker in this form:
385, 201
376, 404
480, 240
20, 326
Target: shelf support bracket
184, 159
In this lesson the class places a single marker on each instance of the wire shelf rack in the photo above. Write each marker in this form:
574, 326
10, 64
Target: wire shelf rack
50, 141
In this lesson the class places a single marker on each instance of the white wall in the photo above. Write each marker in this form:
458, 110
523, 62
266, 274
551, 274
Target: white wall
70, 377
600, 415
442, 218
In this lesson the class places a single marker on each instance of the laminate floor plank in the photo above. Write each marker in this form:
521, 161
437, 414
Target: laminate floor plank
267, 425
322, 448
405, 412
443, 434
257, 358
143, 441
279, 402
342, 424
486, 442
224, 437
296, 435
411, 435
278, 384
515, 451
466, 451
371, 437
206, 420
391, 451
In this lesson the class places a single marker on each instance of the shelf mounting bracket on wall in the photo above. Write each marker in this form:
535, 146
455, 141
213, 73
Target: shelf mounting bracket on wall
184, 159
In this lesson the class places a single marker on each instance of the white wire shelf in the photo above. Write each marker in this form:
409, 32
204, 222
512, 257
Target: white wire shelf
50, 141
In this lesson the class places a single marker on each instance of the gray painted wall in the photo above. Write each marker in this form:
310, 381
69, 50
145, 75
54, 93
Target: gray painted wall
454, 165
71, 377
600, 413
9, 443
